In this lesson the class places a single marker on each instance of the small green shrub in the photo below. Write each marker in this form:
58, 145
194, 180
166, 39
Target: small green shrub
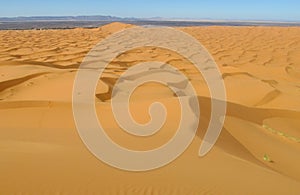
267, 158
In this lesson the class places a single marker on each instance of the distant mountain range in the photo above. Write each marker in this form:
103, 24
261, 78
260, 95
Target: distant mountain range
64, 18
69, 22
114, 18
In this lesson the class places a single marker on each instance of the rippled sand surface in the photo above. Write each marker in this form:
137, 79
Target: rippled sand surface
257, 152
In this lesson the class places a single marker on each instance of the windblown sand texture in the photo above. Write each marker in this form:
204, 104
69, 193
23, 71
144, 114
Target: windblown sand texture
258, 151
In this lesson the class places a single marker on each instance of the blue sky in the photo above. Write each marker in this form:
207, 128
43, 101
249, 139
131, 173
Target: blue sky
214, 9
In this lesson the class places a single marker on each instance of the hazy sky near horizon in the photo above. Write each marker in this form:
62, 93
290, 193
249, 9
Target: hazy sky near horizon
212, 9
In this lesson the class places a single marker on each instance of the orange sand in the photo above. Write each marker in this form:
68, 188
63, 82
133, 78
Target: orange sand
42, 153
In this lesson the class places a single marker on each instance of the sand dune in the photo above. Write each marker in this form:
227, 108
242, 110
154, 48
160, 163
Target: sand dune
257, 152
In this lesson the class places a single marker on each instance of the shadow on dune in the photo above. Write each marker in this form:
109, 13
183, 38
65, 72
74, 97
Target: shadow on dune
10, 83
226, 141
43, 64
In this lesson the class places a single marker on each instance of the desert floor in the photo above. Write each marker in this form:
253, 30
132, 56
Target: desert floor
258, 151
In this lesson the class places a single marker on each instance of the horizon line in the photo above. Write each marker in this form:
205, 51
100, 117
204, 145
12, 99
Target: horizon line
158, 18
